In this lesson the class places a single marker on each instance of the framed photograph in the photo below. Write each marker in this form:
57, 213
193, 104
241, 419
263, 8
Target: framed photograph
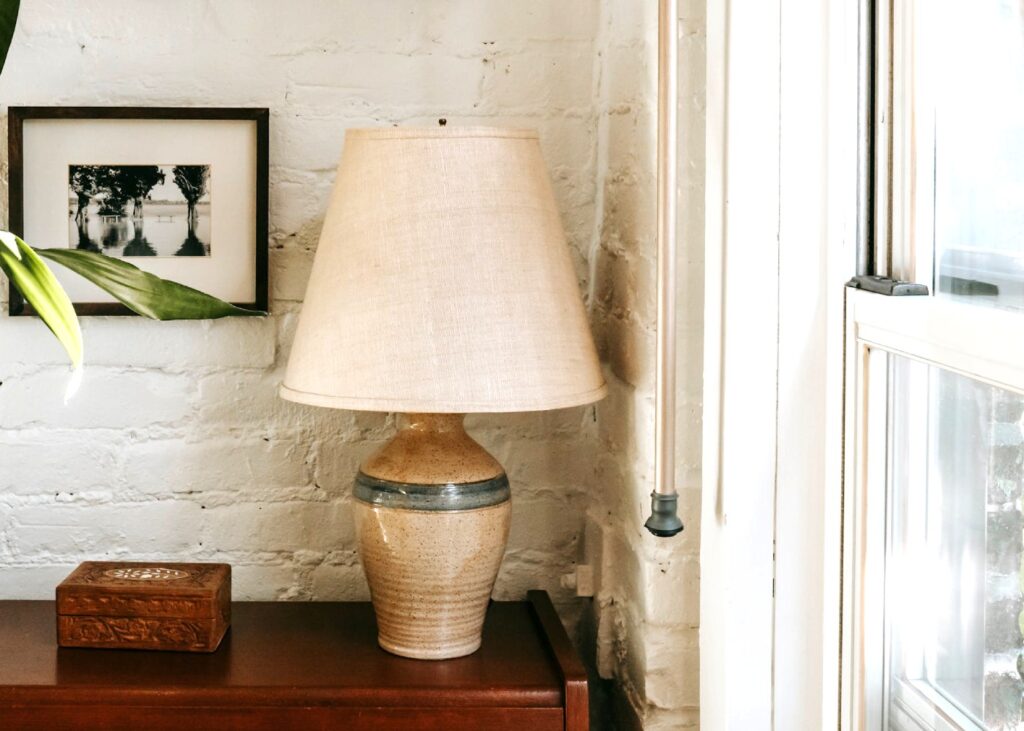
181, 193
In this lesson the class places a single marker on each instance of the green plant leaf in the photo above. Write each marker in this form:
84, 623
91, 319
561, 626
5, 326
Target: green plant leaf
144, 293
37, 284
8, 21
11, 242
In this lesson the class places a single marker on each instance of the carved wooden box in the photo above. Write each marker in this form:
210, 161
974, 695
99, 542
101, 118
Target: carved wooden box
145, 606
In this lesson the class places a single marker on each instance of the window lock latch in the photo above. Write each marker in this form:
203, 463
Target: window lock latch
887, 286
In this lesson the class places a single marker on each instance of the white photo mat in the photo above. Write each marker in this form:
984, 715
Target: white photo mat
229, 147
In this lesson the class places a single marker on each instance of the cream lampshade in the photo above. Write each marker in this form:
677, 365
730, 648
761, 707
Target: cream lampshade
442, 285
443, 282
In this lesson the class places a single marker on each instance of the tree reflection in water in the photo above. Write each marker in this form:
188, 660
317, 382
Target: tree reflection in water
84, 242
192, 246
139, 246
130, 234
163, 231
115, 234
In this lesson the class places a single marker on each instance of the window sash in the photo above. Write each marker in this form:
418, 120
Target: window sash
920, 707
896, 172
984, 344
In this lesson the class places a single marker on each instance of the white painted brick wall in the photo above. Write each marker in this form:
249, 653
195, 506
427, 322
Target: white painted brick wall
645, 618
177, 445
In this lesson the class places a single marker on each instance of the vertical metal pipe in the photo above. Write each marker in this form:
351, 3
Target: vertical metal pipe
664, 520
865, 137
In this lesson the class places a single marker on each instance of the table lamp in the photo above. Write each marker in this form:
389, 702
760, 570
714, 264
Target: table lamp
442, 285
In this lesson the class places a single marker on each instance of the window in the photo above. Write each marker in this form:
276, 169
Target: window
958, 149
935, 415
954, 531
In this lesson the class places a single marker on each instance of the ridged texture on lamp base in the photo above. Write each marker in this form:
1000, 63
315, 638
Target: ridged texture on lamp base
431, 574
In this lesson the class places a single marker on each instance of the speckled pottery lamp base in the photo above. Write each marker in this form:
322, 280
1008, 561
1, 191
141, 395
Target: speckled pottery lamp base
432, 516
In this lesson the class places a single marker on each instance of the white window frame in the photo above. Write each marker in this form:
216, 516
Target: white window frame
782, 228
981, 343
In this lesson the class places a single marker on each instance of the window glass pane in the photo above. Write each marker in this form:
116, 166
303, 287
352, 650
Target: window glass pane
973, 57
953, 575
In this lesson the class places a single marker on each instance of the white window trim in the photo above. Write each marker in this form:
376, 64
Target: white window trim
933, 331
781, 226
936, 330
740, 357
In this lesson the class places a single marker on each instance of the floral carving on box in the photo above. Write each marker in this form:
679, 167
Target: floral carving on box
92, 630
155, 606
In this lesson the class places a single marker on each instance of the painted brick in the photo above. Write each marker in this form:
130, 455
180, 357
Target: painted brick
525, 569
674, 720
668, 650
46, 465
340, 581
502, 23
491, 430
562, 467
285, 33
337, 463
292, 267
169, 529
284, 526
413, 83
547, 524
106, 399
298, 198
248, 403
33, 581
232, 401
261, 582
313, 143
673, 584
555, 78
135, 342
247, 466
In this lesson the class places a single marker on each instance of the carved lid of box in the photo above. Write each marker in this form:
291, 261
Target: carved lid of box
146, 589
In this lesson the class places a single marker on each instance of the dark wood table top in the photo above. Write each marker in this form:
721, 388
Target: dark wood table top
291, 654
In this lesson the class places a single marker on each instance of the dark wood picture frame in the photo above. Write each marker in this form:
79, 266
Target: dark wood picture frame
15, 144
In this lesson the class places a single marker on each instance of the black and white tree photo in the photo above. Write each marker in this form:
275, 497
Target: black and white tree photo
140, 210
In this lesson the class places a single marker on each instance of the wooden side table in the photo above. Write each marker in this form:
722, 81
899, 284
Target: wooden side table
291, 665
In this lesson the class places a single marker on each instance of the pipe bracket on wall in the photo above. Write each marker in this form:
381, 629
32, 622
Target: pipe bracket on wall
664, 521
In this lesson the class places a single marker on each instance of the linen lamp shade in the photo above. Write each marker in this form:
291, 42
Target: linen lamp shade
443, 282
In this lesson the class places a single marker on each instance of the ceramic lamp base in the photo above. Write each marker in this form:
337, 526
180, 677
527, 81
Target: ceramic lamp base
432, 514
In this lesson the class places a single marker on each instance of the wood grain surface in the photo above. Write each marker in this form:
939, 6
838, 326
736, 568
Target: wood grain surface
290, 665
